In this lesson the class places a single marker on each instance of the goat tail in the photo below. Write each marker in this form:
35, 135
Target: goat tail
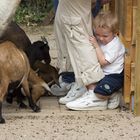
45, 85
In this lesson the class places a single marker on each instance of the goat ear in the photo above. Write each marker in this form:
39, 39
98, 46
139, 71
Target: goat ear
57, 69
43, 38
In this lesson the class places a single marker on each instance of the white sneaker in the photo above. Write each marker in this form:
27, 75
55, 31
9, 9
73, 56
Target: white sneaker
61, 90
114, 100
89, 101
74, 93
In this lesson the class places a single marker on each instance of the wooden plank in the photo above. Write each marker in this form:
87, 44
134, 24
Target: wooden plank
127, 79
137, 62
134, 25
124, 10
133, 50
134, 2
112, 6
120, 10
132, 77
128, 20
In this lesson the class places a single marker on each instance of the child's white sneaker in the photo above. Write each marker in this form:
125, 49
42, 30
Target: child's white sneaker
89, 101
114, 100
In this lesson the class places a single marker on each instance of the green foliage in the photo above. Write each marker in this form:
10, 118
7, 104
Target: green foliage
33, 11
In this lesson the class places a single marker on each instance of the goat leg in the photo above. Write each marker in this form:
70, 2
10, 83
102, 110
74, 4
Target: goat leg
9, 97
1, 118
33, 106
22, 105
20, 97
3, 88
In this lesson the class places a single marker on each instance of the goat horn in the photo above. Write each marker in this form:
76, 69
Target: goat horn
44, 39
45, 85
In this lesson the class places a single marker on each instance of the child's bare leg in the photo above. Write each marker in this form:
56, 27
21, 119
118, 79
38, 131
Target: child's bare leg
92, 87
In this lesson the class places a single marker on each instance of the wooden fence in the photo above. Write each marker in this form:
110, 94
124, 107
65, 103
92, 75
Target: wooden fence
129, 25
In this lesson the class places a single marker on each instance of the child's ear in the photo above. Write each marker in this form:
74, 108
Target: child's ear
116, 34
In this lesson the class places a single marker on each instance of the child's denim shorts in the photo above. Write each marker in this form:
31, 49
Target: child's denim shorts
110, 84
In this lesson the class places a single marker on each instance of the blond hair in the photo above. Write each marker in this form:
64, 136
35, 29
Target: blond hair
106, 20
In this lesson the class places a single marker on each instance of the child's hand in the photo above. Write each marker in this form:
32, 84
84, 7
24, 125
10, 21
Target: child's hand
93, 41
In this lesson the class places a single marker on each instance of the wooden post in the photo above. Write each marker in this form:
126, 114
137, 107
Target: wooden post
127, 79
137, 64
126, 28
129, 18
112, 6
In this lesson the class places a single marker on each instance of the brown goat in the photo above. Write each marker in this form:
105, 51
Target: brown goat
47, 72
14, 66
38, 85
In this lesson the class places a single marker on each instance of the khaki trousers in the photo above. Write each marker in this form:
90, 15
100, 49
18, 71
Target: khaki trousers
73, 26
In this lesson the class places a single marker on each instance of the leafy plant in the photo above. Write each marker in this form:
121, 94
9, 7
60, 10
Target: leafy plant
33, 11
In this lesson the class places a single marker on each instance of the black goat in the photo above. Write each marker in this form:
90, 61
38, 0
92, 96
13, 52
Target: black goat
38, 51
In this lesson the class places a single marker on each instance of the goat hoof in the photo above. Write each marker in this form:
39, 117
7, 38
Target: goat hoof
2, 121
36, 109
9, 100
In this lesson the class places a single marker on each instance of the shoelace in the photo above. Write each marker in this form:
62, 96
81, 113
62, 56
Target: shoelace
86, 94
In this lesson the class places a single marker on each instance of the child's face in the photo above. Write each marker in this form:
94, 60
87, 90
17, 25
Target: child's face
104, 35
